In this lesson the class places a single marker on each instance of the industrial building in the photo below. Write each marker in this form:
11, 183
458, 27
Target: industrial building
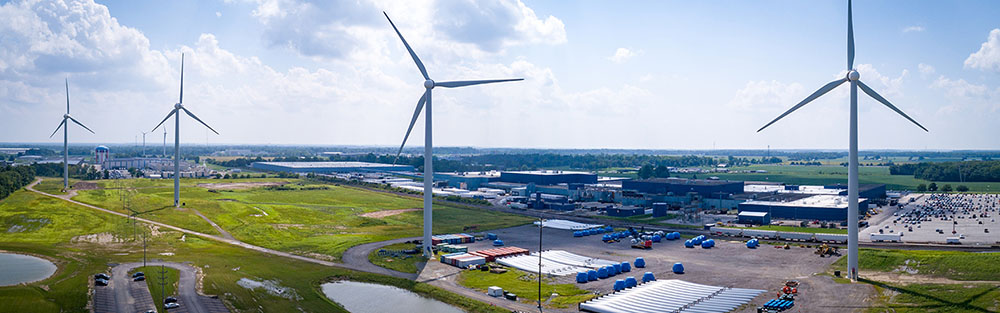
751, 217
822, 207
679, 186
329, 167
467, 180
548, 177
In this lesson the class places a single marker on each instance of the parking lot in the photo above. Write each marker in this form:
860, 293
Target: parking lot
932, 218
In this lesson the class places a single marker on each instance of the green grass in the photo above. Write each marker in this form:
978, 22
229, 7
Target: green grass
525, 285
814, 230
831, 174
934, 298
53, 185
153, 278
954, 265
223, 265
407, 264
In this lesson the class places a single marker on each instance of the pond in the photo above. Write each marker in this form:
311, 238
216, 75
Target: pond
374, 298
19, 268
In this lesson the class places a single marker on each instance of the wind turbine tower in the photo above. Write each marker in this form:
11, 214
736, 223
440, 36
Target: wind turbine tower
177, 136
429, 85
852, 171
65, 128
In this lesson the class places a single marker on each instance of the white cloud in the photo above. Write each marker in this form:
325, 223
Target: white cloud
988, 56
913, 29
621, 55
767, 95
925, 69
962, 94
218, 14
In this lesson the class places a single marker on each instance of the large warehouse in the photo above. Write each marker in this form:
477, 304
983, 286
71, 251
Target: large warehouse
548, 177
330, 167
805, 207
681, 186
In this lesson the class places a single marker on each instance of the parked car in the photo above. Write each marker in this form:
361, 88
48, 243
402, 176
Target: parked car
101, 282
140, 278
137, 274
171, 305
169, 300
102, 276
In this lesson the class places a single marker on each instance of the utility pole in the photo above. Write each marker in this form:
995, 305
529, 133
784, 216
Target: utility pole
541, 222
143, 250
163, 282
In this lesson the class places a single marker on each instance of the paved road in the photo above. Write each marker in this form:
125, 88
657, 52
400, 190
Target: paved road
136, 298
356, 257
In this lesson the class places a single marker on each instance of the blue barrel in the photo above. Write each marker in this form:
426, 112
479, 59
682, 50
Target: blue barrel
619, 284
711, 242
648, 277
491, 236
498, 242
750, 244
605, 237
592, 231
626, 267
639, 262
656, 238
592, 275
609, 229
706, 244
677, 235
577, 234
602, 273
611, 270
581, 277
630, 282
678, 268
688, 244
618, 268
585, 232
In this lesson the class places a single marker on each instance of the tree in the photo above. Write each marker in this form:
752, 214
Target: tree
921, 188
646, 171
962, 188
946, 188
661, 171
932, 187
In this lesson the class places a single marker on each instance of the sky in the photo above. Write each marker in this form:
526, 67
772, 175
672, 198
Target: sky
598, 74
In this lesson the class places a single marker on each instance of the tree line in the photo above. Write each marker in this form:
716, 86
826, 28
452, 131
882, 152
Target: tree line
971, 171
13, 178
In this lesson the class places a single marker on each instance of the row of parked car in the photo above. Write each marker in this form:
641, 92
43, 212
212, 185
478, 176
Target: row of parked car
102, 279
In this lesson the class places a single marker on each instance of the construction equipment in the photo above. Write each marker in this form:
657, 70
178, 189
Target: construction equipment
640, 244
825, 250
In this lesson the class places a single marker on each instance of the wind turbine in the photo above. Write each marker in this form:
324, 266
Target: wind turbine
428, 155
65, 127
144, 143
177, 136
852, 176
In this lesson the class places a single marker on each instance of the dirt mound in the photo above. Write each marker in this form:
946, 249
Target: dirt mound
387, 213
235, 186
101, 238
85, 185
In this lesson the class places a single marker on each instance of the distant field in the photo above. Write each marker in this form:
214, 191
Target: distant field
821, 175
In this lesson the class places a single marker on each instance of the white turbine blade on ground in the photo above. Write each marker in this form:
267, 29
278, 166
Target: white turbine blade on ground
416, 114
164, 120
420, 65
181, 98
462, 83
81, 125
879, 98
198, 119
57, 128
808, 99
850, 37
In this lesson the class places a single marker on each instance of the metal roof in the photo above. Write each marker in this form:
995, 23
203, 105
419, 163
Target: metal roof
753, 214
671, 295
328, 164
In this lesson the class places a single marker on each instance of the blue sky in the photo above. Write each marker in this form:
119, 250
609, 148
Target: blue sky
651, 74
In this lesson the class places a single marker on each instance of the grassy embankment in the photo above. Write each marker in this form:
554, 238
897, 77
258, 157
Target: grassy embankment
408, 264
223, 265
153, 278
980, 294
525, 286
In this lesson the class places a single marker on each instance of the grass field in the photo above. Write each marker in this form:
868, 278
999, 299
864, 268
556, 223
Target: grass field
407, 264
223, 265
153, 278
311, 218
935, 298
831, 174
54, 186
946, 264
525, 285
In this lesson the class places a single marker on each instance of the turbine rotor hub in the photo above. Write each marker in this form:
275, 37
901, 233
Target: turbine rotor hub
178, 106
853, 75
65, 116
429, 84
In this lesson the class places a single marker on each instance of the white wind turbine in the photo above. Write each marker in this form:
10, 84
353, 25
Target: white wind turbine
852, 176
177, 136
65, 127
428, 156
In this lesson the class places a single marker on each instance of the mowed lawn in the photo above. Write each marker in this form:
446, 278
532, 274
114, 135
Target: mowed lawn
311, 218
832, 174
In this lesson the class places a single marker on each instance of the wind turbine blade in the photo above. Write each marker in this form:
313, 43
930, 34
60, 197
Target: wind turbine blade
57, 128
164, 120
420, 65
416, 114
81, 125
181, 99
67, 96
199, 120
462, 83
879, 98
850, 37
808, 99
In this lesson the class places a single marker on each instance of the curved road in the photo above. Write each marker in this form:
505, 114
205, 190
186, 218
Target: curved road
356, 257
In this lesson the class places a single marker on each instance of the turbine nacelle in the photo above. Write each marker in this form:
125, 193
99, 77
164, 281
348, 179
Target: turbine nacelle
429, 84
853, 75
66, 116
178, 106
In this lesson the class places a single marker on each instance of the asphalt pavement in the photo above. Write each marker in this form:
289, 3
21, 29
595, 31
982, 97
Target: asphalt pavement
130, 296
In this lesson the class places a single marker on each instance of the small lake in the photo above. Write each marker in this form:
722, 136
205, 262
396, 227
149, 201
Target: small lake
374, 298
19, 268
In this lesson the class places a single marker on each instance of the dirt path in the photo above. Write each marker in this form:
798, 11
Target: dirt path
387, 213
217, 228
